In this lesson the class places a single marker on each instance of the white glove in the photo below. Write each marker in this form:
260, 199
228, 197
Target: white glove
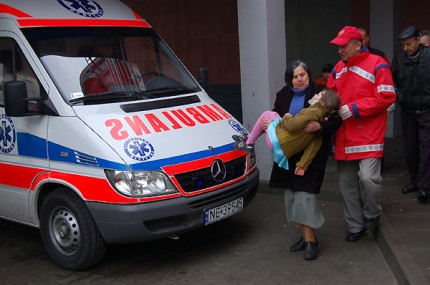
391, 108
344, 112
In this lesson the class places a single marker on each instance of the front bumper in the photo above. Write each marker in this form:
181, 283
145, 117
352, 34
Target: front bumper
160, 219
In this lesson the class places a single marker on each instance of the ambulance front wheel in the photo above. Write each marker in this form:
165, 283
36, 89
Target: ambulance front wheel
68, 231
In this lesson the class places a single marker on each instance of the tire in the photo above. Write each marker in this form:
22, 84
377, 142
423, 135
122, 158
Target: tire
68, 231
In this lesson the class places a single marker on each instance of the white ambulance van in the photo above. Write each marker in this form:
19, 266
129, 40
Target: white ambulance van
105, 137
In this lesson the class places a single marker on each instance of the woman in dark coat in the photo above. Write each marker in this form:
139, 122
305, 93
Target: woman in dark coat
300, 193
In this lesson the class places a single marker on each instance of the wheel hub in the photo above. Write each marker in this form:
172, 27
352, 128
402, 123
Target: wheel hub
65, 231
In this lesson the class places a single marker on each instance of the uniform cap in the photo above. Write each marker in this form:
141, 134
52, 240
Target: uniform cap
346, 34
408, 32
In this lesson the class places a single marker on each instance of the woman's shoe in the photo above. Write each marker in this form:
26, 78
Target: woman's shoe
298, 246
310, 250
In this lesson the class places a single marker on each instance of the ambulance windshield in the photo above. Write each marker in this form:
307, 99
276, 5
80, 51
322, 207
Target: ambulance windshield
106, 65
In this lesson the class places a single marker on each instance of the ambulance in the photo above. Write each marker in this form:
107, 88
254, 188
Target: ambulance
105, 137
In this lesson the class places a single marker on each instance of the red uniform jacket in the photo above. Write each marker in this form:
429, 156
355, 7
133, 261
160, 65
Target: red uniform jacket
365, 84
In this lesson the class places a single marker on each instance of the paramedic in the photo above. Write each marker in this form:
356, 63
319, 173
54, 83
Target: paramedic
365, 86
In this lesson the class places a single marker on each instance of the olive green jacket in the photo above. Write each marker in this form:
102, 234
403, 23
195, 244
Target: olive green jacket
293, 139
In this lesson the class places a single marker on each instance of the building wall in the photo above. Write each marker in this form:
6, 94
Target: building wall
311, 25
202, 33
416, 13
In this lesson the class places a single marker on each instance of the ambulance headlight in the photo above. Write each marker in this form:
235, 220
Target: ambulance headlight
141, 183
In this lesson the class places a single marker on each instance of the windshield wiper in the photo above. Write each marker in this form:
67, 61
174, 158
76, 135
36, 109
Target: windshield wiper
167, 91
108, 97
115, 96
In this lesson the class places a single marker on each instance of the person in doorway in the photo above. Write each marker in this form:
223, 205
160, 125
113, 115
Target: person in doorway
365, 86
372, 50
285, 136
412, 80
300, 192
323, 78
425, 38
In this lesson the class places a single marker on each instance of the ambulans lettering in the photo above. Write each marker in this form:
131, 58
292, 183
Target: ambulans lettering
175, 125
223, 113
156, 123
7, 134
116, 131
184, 118
84, 8
197, 116
137, 125
138, 149
146, 124
210, 113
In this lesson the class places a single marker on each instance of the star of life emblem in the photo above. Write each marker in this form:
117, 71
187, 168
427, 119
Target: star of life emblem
139, 149
7, 134
86, 8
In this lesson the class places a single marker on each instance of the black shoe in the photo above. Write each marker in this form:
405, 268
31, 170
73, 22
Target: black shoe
423, 195
371, 224
310, 250
298, 246
351, 237
411, 187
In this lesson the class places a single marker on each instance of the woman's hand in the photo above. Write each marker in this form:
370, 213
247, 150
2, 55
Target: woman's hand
288, 115
312, 126
299, 171
265, 124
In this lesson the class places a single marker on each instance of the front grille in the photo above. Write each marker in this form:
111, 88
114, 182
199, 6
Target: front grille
201, 179
226, 195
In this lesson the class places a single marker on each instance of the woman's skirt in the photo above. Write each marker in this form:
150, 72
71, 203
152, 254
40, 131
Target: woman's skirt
302, 208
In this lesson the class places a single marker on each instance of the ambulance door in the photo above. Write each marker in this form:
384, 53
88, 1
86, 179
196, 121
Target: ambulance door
23, 145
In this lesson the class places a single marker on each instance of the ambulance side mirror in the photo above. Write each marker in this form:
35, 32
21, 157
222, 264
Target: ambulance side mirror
15, 99
203, 78
15, 93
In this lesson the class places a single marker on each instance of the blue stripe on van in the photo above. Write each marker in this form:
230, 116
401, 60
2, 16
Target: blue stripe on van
30, 145
64, 154
33, 146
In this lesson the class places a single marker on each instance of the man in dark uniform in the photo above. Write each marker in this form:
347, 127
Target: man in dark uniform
412, 81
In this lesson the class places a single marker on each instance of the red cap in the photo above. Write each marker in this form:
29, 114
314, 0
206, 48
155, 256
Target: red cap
346, 34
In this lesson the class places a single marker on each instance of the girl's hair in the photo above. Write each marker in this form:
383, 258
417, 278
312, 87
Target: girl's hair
289, 73
330, 100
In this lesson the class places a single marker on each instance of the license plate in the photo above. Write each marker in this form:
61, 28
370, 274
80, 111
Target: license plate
223, 211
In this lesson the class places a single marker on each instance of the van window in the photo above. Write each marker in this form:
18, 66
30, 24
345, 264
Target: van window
14, 66
104, 65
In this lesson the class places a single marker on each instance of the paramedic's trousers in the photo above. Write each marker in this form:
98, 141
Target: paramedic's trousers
360, 186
